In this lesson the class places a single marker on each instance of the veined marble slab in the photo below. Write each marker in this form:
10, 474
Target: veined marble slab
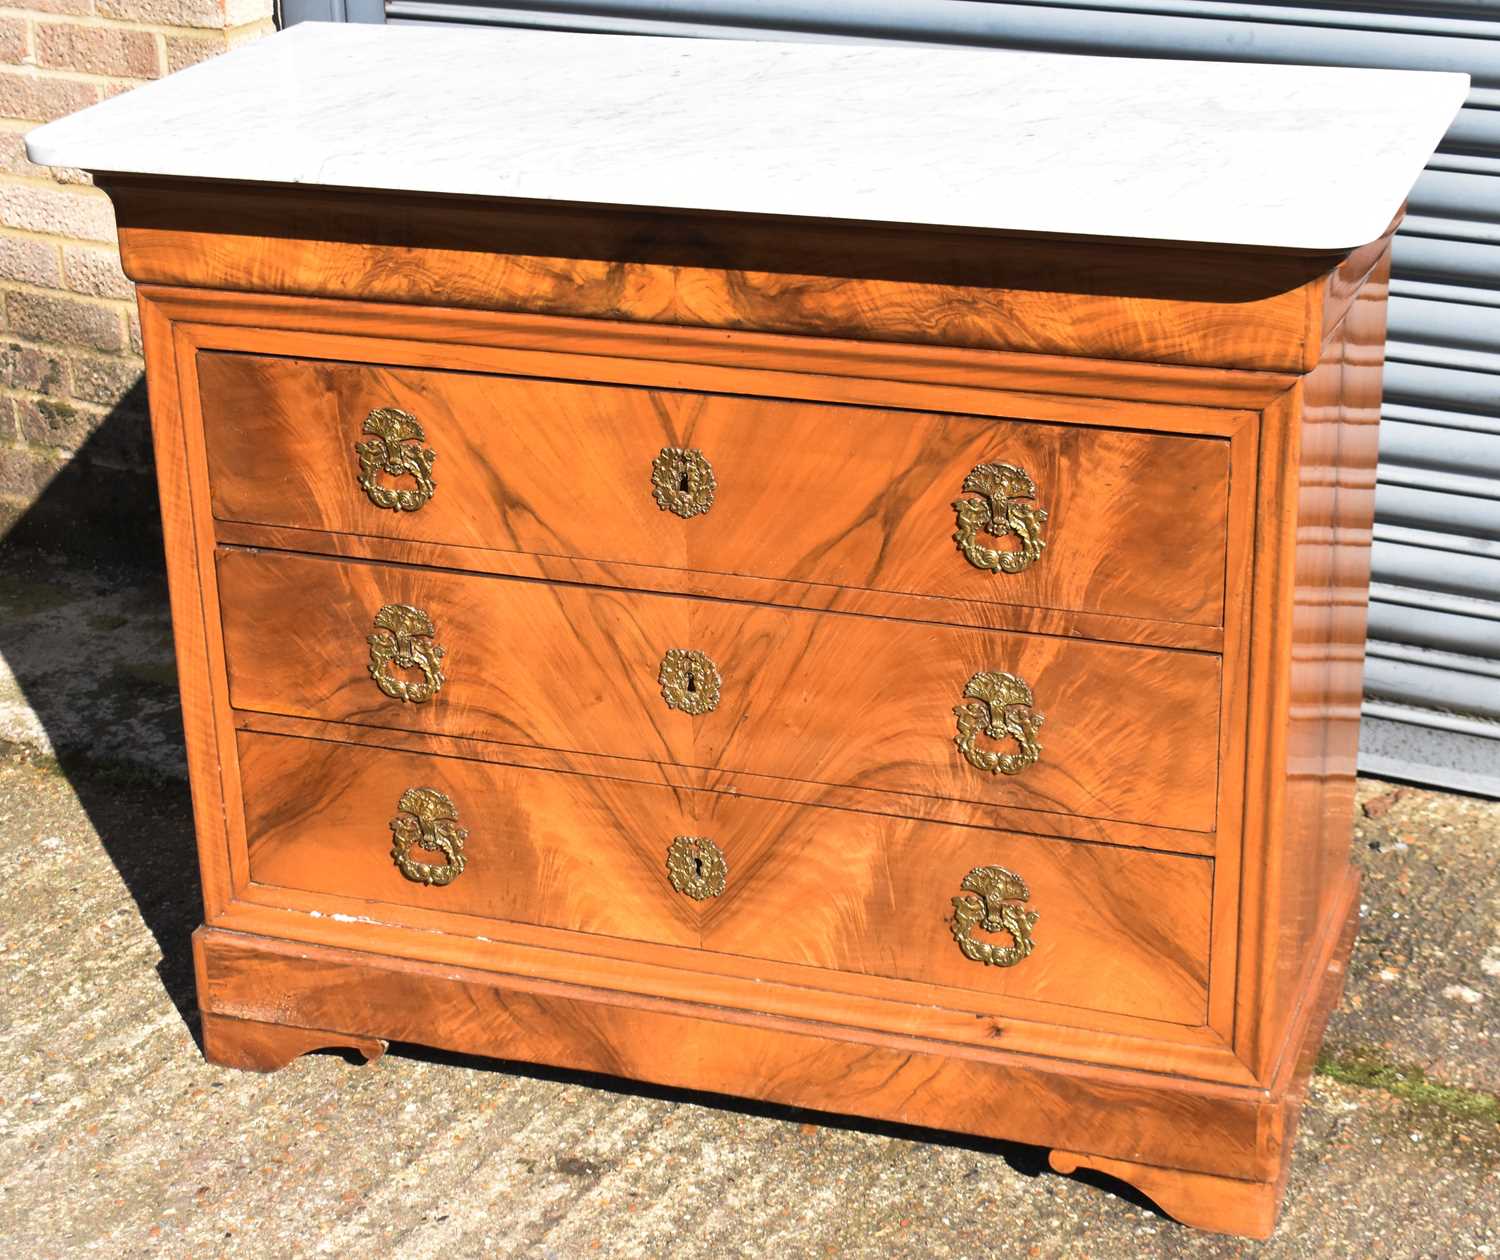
1293, 157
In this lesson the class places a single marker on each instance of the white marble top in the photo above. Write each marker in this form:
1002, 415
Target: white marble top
1285, 156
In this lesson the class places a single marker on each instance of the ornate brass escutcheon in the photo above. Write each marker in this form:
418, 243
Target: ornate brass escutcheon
689, 681
999, 511
1000, 707
428, 820
395, 449
696, 867
682, 481
403, 638
991, 905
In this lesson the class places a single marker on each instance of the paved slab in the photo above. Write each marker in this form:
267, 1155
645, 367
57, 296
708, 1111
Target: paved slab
118, 1140
86, 669
1426, 975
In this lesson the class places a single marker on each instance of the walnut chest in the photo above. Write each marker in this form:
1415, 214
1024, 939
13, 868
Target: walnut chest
873, 630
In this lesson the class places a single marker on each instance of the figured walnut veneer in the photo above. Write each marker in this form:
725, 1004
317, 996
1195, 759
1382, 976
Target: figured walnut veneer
588, 854
805, 491
1198, 426
857, 701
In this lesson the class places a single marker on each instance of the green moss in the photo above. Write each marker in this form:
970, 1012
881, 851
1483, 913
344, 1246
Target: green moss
56, 411
1366, 1069
21, 597
161, 674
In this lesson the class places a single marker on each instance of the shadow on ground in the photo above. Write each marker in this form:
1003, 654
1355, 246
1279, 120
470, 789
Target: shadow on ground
1029, 1162
87, 681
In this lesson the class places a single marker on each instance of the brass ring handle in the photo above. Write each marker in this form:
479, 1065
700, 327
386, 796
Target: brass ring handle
682, 481
999, 511
991, 906
689, 682
696, 867
428, 820
999, 706
403, 639
395, 449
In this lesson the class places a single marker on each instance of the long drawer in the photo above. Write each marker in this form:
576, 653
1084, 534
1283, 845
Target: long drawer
1115, 929
1058, 516
1039, 722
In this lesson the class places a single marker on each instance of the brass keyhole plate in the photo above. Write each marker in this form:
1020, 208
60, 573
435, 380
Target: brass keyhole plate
696, 867
682, 481
689, 681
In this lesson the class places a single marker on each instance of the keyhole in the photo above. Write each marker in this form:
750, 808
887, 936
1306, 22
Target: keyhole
698, 867
692, 683
684, 483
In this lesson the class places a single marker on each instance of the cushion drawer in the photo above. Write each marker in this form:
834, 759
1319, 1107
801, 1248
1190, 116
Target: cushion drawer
1129, 733
1118, 930
852, 496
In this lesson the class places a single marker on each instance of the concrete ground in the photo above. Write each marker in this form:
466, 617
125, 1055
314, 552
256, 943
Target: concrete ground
118, 1140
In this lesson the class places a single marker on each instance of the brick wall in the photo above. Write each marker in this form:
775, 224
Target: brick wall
74, 444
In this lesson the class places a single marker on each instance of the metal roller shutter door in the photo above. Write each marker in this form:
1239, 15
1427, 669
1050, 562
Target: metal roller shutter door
1432, 681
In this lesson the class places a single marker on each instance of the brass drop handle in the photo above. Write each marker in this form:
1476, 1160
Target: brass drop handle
991, 904
689, 682
428, 820
999, 705
395, 450
403, 639
696, 867
682, 481
999, 510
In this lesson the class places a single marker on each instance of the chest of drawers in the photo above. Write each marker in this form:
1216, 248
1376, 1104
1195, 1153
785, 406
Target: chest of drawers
899, 669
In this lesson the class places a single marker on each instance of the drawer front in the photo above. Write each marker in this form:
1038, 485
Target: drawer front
1049, 515
1118, 930
1064, 725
